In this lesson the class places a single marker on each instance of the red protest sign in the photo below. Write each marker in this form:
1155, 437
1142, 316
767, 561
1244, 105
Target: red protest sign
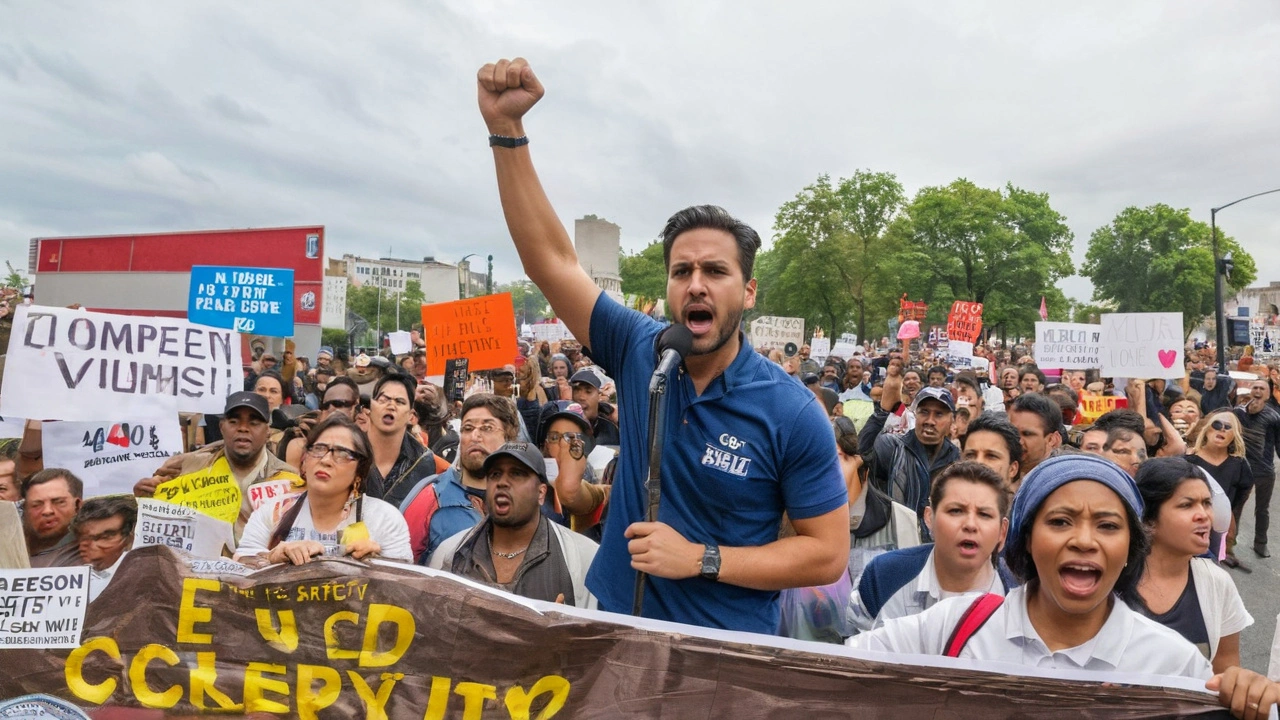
965, 321
480, 329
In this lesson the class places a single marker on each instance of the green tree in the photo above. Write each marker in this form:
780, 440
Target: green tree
1157, 259
644, 274
15, 279
1003, 248
830, 253
529, 302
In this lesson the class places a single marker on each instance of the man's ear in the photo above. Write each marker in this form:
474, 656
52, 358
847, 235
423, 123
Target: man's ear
928, 518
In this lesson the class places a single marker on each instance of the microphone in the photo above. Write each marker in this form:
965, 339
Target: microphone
673, 344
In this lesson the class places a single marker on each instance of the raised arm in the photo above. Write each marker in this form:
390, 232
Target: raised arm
507, 90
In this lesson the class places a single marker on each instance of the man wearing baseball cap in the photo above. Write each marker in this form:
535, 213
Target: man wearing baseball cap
586, 386
903, 466
245, 425
516, 548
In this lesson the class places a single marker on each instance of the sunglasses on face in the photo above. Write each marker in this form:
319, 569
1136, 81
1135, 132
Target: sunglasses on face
339, 404
1222, 426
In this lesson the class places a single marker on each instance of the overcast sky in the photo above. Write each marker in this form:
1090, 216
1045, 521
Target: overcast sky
146, 116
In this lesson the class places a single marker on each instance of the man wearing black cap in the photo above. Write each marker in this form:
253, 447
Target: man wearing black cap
516, 548
903, 466
586, 386
245, 425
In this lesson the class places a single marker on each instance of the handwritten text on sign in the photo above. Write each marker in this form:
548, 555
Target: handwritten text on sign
481, 329
770, 332
1142, 345
44, 607
248, 300
71, 364
179, 527
1093, 407
111, 456
213, 491
1069, 346
965, 321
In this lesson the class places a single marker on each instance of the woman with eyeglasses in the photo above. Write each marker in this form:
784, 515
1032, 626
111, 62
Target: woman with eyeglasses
1219, 450
341, 396
1178, 588
333, 516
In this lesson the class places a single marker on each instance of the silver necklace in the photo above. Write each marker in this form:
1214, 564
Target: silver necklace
510, 555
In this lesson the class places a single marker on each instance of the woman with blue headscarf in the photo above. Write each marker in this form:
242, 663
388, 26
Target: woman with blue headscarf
1075, 539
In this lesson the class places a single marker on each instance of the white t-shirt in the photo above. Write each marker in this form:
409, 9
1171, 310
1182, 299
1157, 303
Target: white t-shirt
387, 527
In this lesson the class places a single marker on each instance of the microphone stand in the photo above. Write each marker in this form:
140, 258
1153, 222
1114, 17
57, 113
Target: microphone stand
657, 433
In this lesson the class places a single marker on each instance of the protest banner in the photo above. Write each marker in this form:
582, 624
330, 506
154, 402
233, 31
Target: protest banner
820, 348
550, 330
1142, 345
781, 333
1068, 346
43, 607
340, 638
213, 491
846, 346
960, 354
110, 456
1093, 407
481, 329
964, 323
244, 299
1265, 339
181, 528
72, 364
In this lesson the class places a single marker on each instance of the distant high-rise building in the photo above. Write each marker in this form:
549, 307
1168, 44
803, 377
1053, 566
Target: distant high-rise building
598, 243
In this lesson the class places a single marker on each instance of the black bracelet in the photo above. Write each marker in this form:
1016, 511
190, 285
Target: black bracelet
508, 142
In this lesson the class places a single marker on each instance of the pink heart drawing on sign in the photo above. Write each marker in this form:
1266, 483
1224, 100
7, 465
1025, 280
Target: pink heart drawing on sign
1167, 357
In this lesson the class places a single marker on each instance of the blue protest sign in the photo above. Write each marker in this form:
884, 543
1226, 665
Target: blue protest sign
244, 299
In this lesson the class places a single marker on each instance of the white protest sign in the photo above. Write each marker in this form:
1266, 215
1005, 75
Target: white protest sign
181, 528
846, 346
43, 607
75, 365
1142, 345
770, 332
1068, 346
401, 342
820, 348
272, 491
960, 354
551, 331
111, 456
1265, 339
12, 427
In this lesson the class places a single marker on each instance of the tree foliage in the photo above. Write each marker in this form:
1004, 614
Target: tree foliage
644, 274
15, 279
830, 258
378, 306
529, 302
1157, 259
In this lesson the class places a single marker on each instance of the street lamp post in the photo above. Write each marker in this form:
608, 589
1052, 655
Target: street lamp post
464, 276
1218, 270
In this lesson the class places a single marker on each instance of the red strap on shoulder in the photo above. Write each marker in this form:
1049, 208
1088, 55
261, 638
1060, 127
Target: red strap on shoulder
973, 619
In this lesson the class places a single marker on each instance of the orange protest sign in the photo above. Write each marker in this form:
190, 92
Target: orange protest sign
1093, 407
481, 329
965, 321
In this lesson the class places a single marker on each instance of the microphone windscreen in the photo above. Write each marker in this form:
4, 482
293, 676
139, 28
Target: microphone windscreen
676, 337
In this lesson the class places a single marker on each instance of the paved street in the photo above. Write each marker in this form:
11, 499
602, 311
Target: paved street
1260, 590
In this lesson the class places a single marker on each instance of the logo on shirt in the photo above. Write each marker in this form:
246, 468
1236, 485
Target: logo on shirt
725, 461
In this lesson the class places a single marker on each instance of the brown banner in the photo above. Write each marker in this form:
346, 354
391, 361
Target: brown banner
340, 639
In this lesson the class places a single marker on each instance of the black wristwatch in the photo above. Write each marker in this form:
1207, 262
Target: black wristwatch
711, 562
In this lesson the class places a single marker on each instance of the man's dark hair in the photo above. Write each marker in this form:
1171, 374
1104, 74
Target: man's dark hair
401, 378
969, 378
340, 381
999, 424
108, 506
49, 475
972, 471
1065, 391
1022, 371
713, 217
1121, 418
938, 370
1048, 410
501, 408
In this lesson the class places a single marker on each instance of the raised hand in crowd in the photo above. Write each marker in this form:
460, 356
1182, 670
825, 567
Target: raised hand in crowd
571, 459
891, 393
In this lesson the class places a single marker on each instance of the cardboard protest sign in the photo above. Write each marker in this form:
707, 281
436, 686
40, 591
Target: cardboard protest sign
960, 354
110, 456
964, 323
820, 348
244, 299
781, 333
181, 528
1142, 345
1068, 346
213, 491
480, 329
550, 330
74, 364
1093, 407
401, 342
43, 607
345, 639
846, 346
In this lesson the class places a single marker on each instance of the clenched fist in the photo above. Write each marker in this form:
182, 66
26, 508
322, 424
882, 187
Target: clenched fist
507, 89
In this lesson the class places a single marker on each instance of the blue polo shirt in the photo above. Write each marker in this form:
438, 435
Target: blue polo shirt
753, 444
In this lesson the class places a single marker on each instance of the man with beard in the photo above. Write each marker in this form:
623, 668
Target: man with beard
517, 548
245, 426
399, 459
743, 443
443, 505
1260, 427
